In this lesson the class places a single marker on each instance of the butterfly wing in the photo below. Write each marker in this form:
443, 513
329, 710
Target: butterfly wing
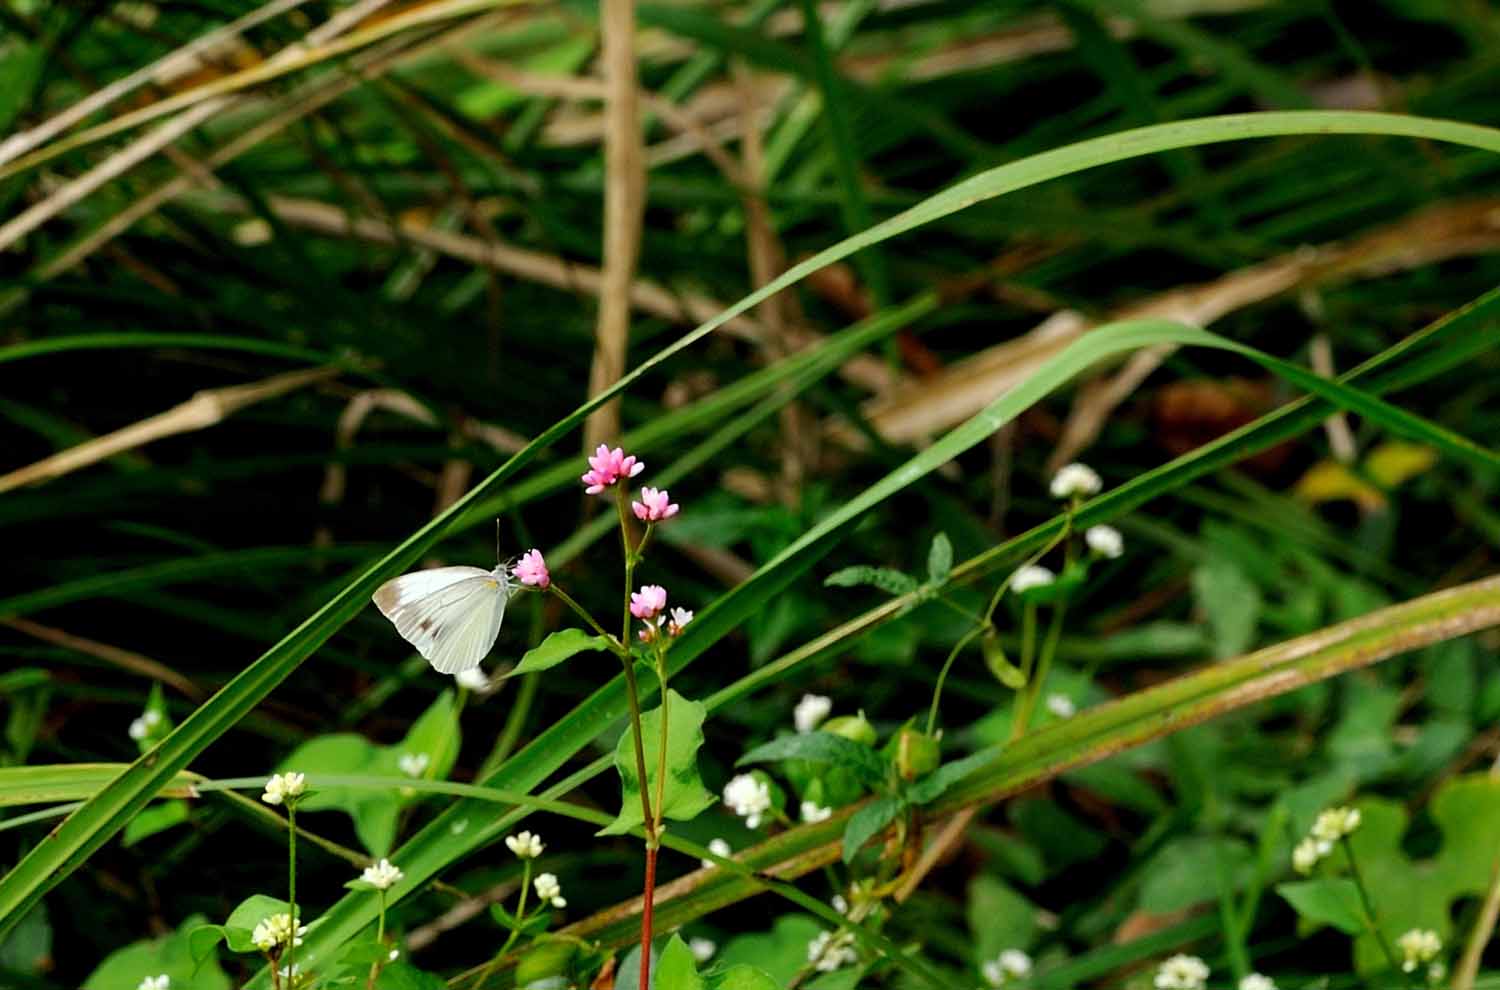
452, 615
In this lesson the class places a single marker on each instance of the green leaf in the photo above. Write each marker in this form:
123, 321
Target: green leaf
1329, 901
676, 969
999, 917
821, 747
435, 735
684, 795
402, 975
867, 822
743, 977
892, 582
1181, 874
556, 648
346, 754
931, 787
157, 818
1230, 601
939, 559
780, 953
171, 955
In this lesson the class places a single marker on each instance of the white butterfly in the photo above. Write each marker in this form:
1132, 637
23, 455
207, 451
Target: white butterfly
452, 615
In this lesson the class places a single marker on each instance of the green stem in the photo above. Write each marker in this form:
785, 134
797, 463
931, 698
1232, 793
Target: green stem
661, 756
1033, 691
583, 613
380, 938
291, 892
515, 926
937, 690
1370, 916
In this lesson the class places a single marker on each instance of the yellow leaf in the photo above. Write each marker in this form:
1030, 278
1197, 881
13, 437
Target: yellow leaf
1396, 462
1330, 481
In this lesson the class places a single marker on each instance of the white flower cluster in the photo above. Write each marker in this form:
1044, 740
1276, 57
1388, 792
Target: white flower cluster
1257, 981
283, 787
703, 949
275, 931
1331, 825
719, 848
473, 679
810, 712
1076, 481
1061, 705
1012, 964
414, 764
831, 951
549, 890
1104, 541
142, 727
1031, 576
1418, 946
814, 812
1182, 973
749, 797
162, 982
383, 875
525, 845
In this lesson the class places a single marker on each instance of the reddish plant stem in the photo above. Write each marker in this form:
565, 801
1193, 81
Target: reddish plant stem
647, 897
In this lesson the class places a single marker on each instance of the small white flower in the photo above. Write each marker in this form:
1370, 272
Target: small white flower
143, 726
703, 949
383, 875
830, 951
1182, 973
810, 712
473, 679
275, 930
1010, 964
1075, 480
414, 764
162, 982
840, 904
749, 797
282, 786
1105, 541
1031, 576
680, 618
525, 845
1061, 705
549, 890
395, 954
814, 812
1334, 824
291, 975
1257, 981
719, 848
1305, 857
1418, 946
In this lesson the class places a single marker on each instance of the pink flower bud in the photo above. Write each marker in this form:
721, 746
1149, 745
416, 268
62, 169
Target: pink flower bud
650, 600
532, 569
654, 506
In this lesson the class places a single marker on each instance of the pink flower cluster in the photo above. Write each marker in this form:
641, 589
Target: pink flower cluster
608, 466
532, 569
648, 602
654, 506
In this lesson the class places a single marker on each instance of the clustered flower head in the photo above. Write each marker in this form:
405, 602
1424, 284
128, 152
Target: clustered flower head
1076, 481
648, 602
812, 811
1061, 705
162, 982
654, 505
1104, 541
1420, 945
1257, 981
1031, 576
525, 845
1330, 826
383, 875
549, 890
749, 797
810, 712
1182, 973
148, 722
414, 764
831, 951
720, 848
275, 931
1012, 964
531, 569
607, 467
284, 787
